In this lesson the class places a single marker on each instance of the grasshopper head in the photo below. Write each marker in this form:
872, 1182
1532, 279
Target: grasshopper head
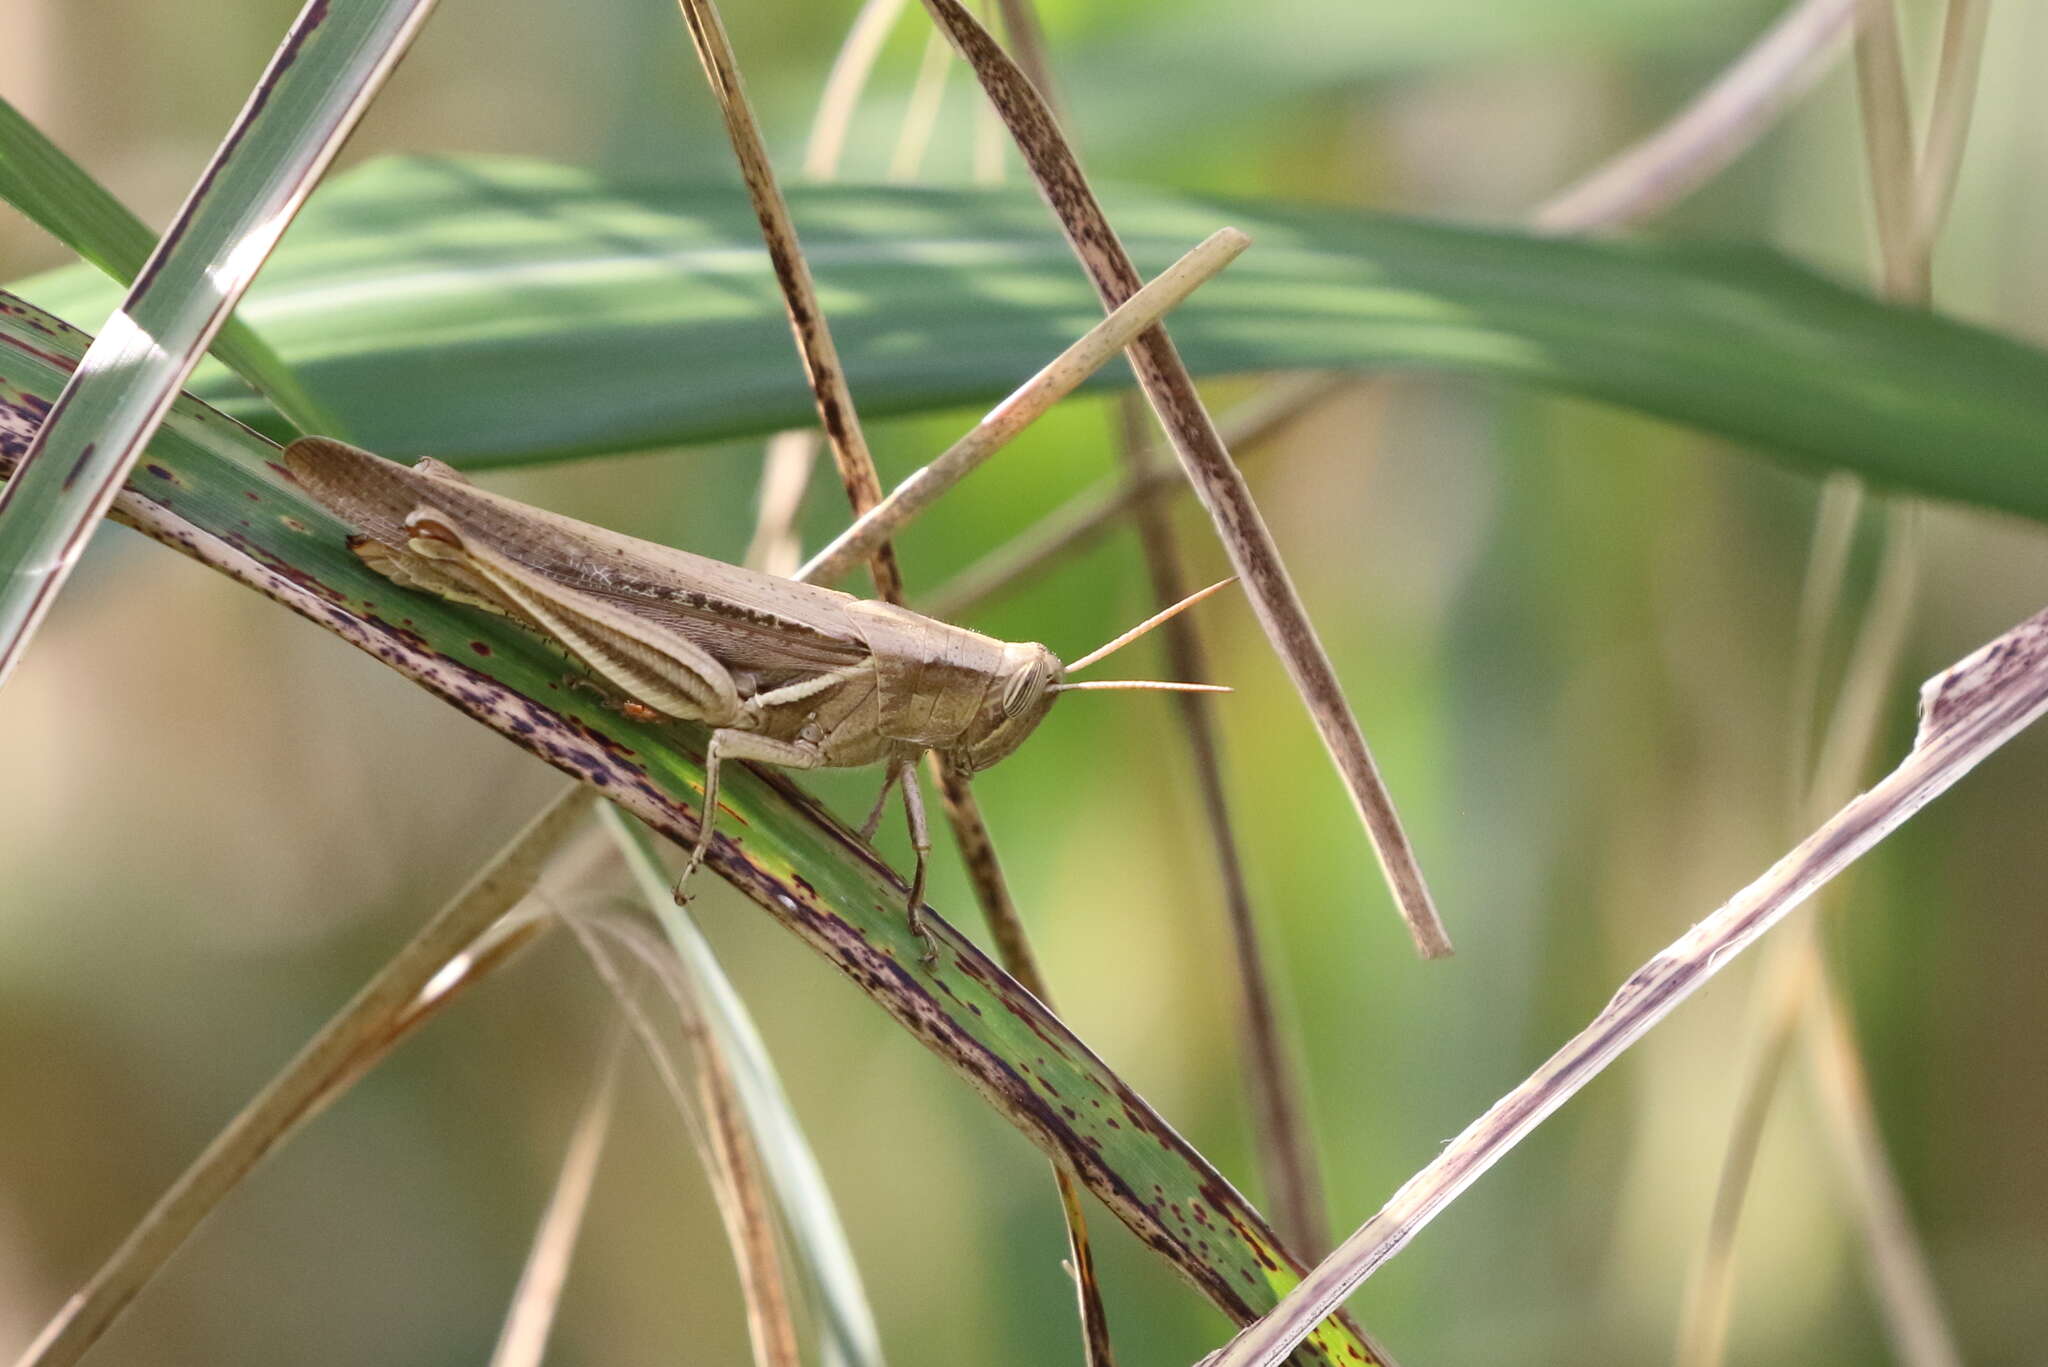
1020, 695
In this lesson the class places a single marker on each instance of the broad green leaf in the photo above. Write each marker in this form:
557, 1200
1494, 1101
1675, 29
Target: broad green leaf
211, 488
331, 61
491, 311
61, 196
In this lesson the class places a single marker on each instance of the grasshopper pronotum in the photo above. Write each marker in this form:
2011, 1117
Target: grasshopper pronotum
783, 673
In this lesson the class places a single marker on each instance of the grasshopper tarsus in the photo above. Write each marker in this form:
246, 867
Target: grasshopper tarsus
930, 956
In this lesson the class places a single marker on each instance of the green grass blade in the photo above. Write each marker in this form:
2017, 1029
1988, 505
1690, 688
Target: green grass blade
492, 311
61, 196
302, 109
210, 488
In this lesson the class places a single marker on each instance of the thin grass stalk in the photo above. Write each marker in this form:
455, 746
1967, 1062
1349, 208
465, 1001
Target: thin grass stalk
712, 1114
786, 466
1709, 1293
336, 1053
1820, 595
1906, 1292
852, 68
1796, 972
491, 951
790, 457
1223, 491
523, 1339
921, 115
1906, 1297
863, 486
1288, 1169
807, 322
1026, 404
1887, 120
1966, 713
1093, 513
1948, 116
1718, 125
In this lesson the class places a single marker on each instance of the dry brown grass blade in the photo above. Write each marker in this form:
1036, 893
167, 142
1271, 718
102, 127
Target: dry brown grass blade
1966, 713
1222, 489
1095, 512
716, 1122
1286, 1150
523, 1340
368, 1024
1026, 404
799, 293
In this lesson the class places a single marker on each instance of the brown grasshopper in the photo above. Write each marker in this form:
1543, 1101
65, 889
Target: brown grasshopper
784, 673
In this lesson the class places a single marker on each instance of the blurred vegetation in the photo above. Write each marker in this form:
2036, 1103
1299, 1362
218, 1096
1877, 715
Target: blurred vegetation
1567, 630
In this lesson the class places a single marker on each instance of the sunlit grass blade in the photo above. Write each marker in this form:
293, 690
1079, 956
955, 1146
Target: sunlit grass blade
332, 61
62, 196
209, 488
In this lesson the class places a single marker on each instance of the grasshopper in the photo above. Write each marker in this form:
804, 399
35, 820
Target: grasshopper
783, 672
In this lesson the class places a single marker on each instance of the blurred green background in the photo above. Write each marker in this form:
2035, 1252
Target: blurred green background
1568, 632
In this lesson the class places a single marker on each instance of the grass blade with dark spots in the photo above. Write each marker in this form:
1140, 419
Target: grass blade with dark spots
210, 490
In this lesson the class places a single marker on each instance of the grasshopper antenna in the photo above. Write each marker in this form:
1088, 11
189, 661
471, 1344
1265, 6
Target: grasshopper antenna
1154, 684
1139, 630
